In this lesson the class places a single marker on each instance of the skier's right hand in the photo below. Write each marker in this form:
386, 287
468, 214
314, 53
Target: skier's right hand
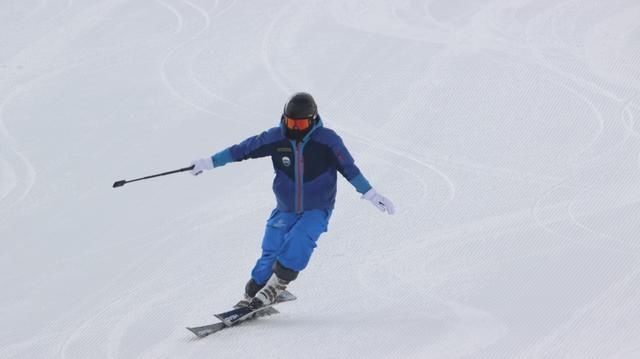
200, 165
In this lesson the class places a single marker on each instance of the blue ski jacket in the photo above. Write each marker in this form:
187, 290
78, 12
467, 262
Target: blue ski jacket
305, 171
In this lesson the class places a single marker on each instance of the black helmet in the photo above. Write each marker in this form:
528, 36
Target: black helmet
301, 105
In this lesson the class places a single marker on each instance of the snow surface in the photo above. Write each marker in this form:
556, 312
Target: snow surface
506, 132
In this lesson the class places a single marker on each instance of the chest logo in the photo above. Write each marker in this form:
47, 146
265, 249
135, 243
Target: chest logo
286, 161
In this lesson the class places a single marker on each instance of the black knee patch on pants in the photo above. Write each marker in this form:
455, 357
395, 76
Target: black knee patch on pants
284, 273
252, 288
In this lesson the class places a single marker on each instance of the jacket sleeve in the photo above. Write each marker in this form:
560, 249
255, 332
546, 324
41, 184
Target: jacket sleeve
346, 165
253, 147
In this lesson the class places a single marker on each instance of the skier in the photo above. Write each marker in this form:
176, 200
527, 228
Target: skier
305, 157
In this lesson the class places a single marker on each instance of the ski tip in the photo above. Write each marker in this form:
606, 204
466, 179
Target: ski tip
192, 330
201, 333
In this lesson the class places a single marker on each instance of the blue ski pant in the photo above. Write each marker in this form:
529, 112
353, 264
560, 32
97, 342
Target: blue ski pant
290, 239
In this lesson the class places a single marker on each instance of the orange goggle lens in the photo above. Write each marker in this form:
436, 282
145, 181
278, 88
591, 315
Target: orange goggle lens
297, 123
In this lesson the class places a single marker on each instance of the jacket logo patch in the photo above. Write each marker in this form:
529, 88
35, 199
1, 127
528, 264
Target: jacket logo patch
283, 149
286, 161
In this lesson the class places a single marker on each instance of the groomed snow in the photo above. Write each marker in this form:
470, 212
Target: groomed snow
506, 132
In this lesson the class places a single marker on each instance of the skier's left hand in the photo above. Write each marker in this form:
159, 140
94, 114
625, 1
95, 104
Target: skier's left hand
380, 201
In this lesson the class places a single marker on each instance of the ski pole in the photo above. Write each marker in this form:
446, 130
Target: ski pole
123, 182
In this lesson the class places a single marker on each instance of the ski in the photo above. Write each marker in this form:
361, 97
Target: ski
206, 330
238, 315
241, 314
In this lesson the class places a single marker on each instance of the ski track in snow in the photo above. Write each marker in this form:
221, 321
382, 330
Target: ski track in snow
563, 339
579, 87
110, 307
20, 167
443, 270
21, 171
183, 56
195, 78
135, 302
628, 247
628, 117
266, 42
552, 346
179, 49
174, 11
39, 6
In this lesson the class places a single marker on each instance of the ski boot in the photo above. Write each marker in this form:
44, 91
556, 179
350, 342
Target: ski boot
269, 293
250, 290
243, 303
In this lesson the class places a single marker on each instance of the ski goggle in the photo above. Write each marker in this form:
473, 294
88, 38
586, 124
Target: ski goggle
297, 123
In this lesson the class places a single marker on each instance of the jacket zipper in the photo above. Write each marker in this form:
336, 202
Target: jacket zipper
299, 176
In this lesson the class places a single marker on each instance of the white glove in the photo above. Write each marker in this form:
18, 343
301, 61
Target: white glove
381, 202
201, 165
